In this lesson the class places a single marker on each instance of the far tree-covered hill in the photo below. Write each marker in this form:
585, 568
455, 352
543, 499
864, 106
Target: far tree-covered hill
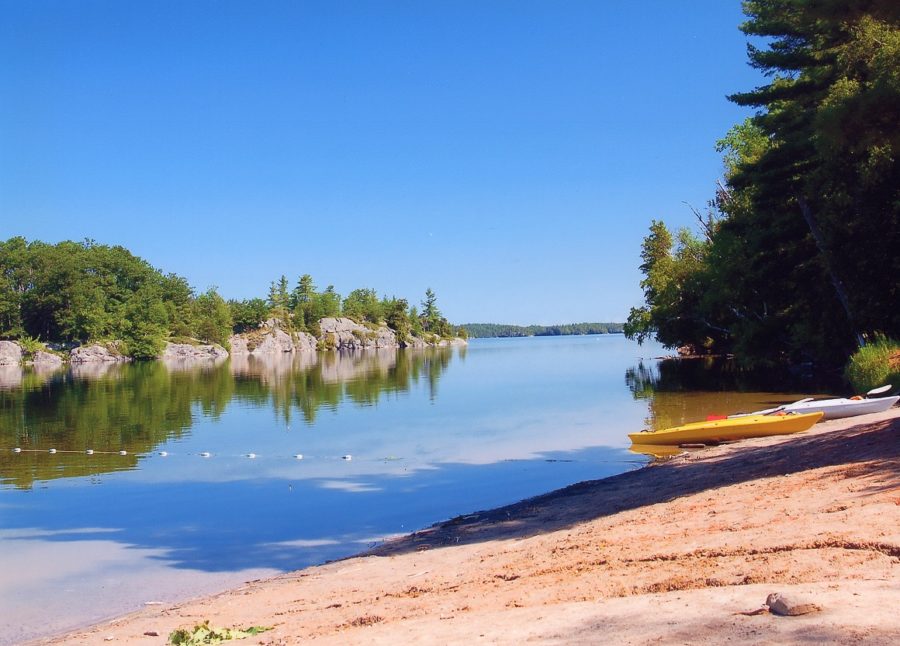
485, 330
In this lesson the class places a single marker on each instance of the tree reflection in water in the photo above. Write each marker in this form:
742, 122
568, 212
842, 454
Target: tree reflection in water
679, 391
137, 407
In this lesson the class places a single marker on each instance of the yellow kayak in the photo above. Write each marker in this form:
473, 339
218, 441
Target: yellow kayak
735, 428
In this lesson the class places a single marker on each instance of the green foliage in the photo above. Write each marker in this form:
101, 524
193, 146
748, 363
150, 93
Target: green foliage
396, 318
363, 305
84, 292
415, 322
30, 345
280, 301
146, 323
327, 304
875, 364
303, 303
212, 318
205, 634
803, 256
247, 315
13, 283
431, 315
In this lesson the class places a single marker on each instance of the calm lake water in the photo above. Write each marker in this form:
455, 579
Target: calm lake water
429, 435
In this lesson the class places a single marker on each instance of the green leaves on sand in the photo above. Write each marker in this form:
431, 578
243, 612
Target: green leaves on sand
206, 634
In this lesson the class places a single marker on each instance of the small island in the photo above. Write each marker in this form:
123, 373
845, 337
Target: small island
85, 302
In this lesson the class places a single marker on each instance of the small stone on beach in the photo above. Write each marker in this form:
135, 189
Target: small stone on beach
780, 604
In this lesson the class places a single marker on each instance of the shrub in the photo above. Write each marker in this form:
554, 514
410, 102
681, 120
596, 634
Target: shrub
30, 345
874, 365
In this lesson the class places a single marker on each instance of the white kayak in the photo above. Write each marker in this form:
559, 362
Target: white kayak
837, 407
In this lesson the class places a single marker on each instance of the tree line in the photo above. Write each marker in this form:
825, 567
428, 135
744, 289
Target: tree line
797, 256
485, 330
81, 292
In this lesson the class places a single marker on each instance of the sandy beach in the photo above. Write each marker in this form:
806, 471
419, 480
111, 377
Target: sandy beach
684, 551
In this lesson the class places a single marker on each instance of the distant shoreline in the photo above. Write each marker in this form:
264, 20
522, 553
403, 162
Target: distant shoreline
503, 330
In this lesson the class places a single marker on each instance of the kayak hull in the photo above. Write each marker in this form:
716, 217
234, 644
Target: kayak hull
839, 408
722, 430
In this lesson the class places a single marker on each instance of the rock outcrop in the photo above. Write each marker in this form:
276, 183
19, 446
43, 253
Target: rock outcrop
271, 340
181, 351
96, 354
10, 353
345, 334
42, 359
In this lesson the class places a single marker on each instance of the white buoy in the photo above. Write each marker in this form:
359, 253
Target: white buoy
251, 455
89, 452
163, 454
298, 456
205, 454
347, 457
17, 450
123, 452
52, 451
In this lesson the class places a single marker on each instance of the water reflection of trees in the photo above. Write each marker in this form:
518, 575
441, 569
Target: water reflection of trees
307, 383
685, 390
137, 407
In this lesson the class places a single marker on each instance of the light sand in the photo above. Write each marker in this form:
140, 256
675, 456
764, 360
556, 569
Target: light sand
670, 554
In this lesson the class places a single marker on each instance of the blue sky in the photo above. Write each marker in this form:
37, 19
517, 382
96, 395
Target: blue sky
508, 154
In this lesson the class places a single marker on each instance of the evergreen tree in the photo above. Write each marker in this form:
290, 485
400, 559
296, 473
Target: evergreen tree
804, 255
431, 315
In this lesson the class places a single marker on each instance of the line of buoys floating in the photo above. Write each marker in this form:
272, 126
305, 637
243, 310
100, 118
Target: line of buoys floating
19, 449
163, 454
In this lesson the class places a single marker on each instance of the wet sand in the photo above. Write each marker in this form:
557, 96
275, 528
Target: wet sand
683, 551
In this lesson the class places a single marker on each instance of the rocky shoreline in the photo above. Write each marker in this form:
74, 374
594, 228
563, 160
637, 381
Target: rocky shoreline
337, 334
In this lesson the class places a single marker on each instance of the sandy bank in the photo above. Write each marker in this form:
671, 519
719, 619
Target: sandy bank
668, 554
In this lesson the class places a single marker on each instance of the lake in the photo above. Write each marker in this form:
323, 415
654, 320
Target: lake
203, 476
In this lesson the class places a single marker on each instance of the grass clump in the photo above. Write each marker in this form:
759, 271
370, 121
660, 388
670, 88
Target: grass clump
876, 364
205, 634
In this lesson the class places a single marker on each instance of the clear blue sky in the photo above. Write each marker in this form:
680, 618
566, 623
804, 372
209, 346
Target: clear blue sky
508, 154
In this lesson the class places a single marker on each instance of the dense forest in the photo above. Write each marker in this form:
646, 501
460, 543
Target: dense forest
80, 292
485, 330
798, 255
